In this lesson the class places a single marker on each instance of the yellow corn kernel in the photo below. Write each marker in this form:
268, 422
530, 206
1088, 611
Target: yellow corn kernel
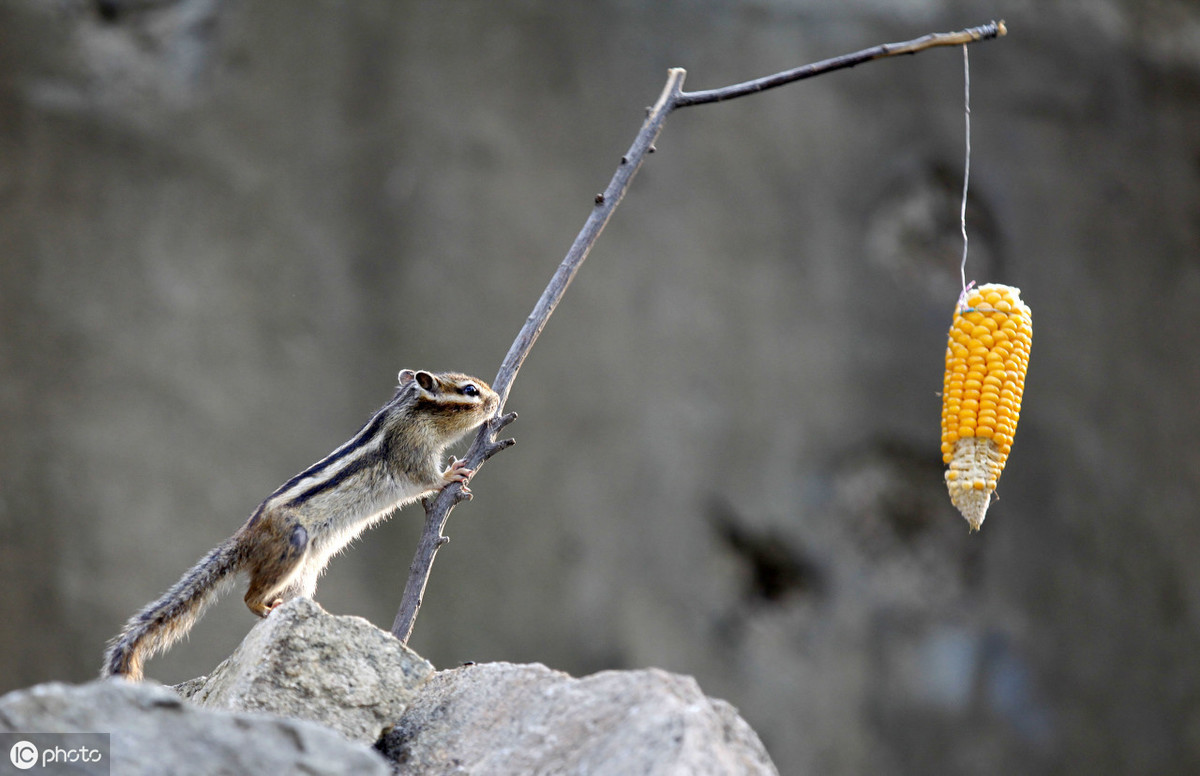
987, 353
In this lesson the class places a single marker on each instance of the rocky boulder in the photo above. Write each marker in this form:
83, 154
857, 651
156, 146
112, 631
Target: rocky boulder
153, 731
308, 691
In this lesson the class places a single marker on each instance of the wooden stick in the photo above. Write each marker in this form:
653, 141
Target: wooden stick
960, 38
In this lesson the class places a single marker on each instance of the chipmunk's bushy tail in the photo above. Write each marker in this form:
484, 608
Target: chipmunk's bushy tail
168, 619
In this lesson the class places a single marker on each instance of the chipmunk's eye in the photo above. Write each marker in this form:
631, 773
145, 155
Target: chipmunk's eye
469, 390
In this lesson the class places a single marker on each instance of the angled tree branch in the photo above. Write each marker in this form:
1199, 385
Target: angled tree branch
437, 509
961, 38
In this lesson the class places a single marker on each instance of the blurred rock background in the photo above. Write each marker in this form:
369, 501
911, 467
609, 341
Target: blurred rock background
225, 225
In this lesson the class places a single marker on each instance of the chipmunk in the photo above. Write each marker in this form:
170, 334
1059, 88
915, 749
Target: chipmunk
393, 460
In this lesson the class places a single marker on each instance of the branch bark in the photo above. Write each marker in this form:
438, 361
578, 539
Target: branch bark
437, 508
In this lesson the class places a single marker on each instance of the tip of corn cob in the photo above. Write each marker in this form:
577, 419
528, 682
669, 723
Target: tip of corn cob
987, 355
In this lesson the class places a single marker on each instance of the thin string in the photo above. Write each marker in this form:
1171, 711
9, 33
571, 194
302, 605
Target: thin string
962, 269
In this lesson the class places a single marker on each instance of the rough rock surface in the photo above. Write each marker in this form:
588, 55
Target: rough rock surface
497, 718
303, 662
155, 732
501, 718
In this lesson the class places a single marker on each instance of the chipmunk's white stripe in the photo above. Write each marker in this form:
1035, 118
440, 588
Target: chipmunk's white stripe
338, 471
368, 441
333, 466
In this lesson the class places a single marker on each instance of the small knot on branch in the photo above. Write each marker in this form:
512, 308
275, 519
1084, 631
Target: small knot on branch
492, 426
496, 447
497, 422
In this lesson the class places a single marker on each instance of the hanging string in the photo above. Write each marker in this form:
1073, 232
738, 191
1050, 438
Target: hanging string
962, 269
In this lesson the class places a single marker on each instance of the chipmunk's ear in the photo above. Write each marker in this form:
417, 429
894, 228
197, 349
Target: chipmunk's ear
405, 376
426, 380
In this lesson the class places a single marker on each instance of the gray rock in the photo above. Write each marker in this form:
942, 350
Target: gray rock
303, 662
345, 673
501, 718
494, 718
154, 732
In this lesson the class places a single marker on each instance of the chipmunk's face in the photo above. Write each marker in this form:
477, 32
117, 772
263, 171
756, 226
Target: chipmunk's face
456, 401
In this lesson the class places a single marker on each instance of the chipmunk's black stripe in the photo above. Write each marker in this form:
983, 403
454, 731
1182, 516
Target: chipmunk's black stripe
257, 514
360, 440
351, 469
446, 407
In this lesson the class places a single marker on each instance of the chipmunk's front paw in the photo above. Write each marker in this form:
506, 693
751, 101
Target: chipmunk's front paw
457, 471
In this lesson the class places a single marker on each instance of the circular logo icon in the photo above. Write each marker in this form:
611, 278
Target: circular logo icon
23, 755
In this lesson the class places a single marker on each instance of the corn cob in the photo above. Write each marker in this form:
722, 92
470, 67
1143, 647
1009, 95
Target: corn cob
986, 358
